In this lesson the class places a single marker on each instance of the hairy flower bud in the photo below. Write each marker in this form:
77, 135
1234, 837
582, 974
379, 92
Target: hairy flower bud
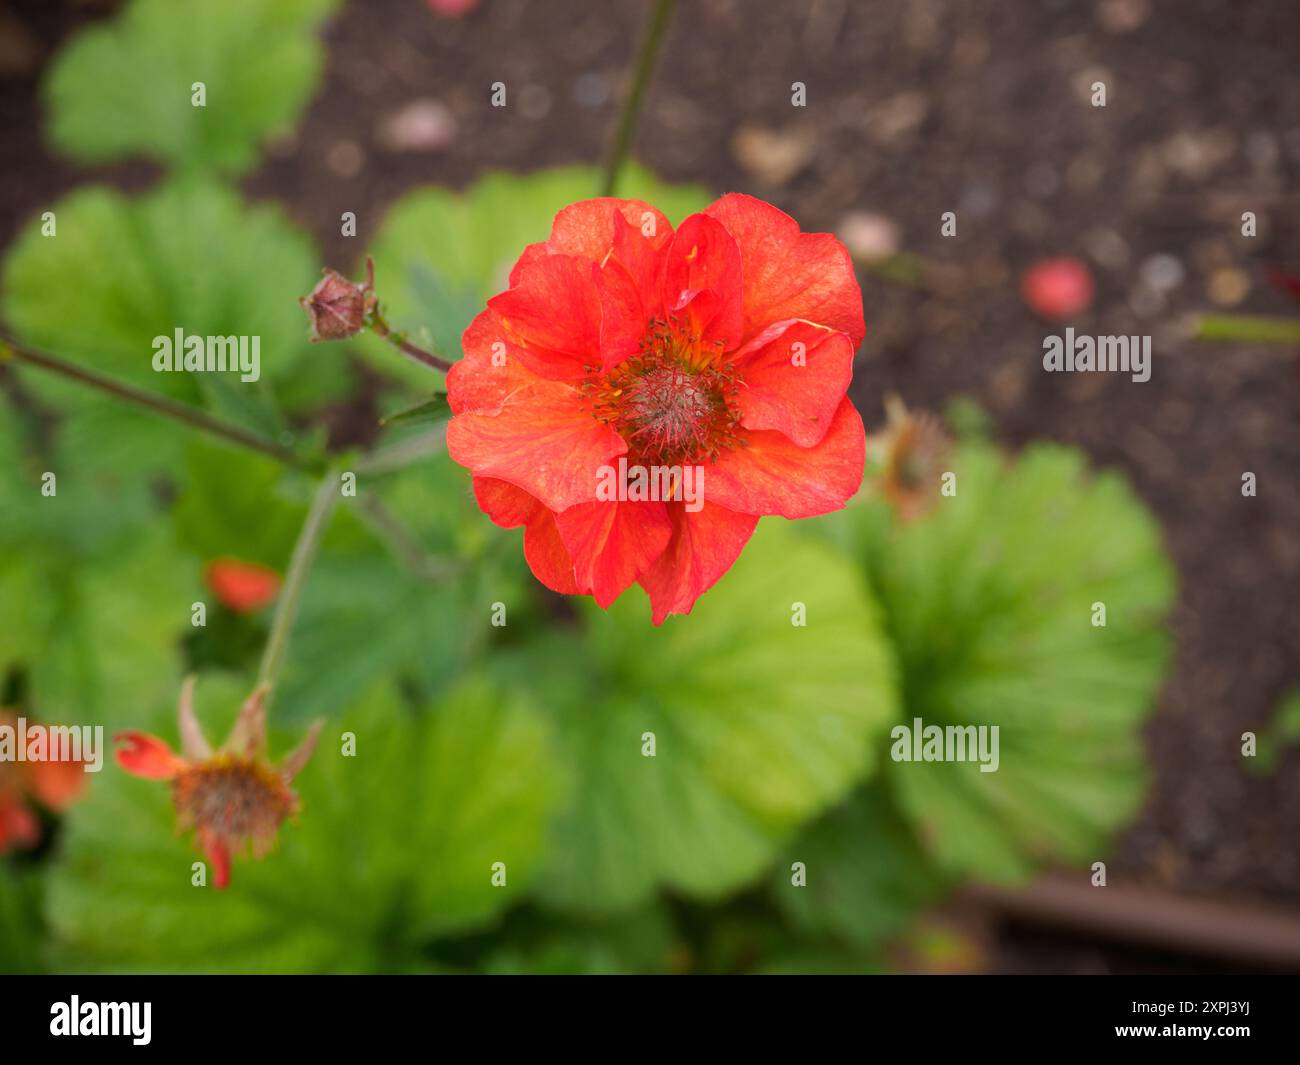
337, 307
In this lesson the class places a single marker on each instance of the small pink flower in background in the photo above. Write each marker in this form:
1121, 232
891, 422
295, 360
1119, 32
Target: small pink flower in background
451, 8
1057, 288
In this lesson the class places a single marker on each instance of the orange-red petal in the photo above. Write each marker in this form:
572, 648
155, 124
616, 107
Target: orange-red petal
490, 371
703, 547
505, 504
612, 543
547, 556
217, 852
544, 551
795, 375
702, 281
543, 439
631, 295
552, 315
789, 274
147, 756
774, 475
587, 228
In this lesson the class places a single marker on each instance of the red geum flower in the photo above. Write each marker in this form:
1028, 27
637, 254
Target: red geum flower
244, 587
53, 783
725, 346
230, 796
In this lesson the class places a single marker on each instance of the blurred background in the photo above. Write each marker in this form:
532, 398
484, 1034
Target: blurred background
913, 108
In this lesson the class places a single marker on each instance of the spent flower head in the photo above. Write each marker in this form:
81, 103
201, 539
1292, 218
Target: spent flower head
910, 454
231, 797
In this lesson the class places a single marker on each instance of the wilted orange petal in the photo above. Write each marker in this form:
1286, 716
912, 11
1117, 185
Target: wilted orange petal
216, 850
146, 756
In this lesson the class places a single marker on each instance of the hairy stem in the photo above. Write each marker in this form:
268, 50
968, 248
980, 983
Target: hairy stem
389, 460
625, 131
304, 554
151, 401
388, 529
412, 351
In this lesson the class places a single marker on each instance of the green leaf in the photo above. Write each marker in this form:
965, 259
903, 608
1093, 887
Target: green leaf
641, 942
93, 601
989, 602
125, 87
394, 847
429, 410
364, 616
1283, 731
122, 272
440, 255
232, 506
109, 631
189, 256
759, 725
866, 875
20, 920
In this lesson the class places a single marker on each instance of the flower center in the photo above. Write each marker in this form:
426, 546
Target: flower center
671, 402
233, 798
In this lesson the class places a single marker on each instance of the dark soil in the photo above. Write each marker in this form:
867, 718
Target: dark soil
914, 108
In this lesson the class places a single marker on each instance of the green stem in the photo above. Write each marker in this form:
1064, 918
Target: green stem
304, 554
388, 529
389, 460
412, 351
168, 408
1256, 329
627, 122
